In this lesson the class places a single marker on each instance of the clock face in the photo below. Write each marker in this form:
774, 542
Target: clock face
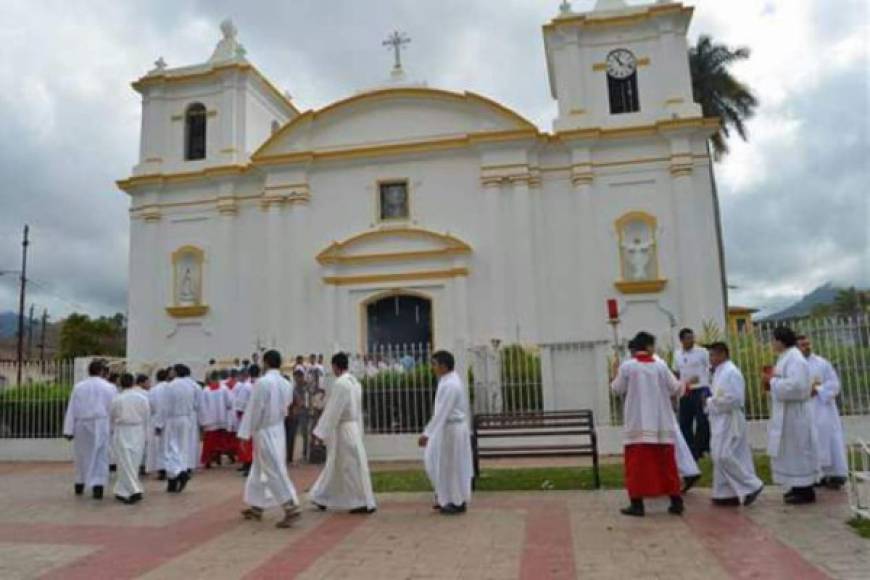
621, 64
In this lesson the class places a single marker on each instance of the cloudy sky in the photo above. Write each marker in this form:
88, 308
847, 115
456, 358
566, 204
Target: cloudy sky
795, 198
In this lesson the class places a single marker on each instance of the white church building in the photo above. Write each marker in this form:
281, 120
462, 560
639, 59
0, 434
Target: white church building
255, 224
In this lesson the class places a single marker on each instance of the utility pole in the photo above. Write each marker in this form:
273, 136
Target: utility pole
42, 337
30, 332
21, 297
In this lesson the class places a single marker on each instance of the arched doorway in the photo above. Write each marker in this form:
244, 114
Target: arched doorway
397, 320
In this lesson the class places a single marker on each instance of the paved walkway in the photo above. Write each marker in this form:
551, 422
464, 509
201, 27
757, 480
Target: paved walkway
47, 532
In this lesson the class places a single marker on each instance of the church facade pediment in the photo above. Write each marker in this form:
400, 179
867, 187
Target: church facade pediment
389, 245
392, 117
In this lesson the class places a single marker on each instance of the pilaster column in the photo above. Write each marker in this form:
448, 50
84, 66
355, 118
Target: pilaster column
687, 235
272, 309
496, 250
296, 322
524, 265
227, 267
586, 250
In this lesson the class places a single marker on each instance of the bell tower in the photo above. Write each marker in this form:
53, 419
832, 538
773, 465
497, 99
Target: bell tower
213, 114
619, 65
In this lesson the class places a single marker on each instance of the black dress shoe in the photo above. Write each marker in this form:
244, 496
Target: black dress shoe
161, 475
172, 485
750, 499
98, 492
124, 500
726, 501
136, 498
689, 482
79, 488
182, 481
363, 510
451, 510
677, 506
319, 506
801, 498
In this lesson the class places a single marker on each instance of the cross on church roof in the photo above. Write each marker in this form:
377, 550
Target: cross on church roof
395, 41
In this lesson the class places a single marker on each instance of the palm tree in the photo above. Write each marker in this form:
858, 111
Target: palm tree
723, 96
718, 92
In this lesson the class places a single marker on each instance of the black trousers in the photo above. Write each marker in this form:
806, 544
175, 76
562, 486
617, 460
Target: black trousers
694, 423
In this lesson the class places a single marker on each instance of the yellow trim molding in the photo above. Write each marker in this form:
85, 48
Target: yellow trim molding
596, 20
214, 72
168, 178
336, 253
187, 311
659, 127
640, 286
403, 277
602, 66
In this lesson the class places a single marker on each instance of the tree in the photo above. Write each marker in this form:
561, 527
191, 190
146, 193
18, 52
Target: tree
718, 92
723, 96
82, 336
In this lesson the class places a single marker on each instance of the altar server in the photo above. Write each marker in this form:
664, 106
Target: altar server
130, 414
178, 404
734, 478
154, 462
791, 443
87, 425
447, 439
242, 394
829, 428
648, 385
214, 413
345, 482
268, 484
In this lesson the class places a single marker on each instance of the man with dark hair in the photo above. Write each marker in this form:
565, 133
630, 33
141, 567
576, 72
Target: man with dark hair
734, 476
178, 404
345, 482
86, 424
829, 428
268, 484
792, 443
154, 462
297, 417
447, 440
692, 365
130, 413
214, 418
647, 385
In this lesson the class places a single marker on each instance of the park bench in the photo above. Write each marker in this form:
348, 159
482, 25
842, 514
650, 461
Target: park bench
574, 431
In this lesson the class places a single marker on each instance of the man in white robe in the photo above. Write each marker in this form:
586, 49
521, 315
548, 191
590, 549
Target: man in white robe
792, 443
130, 414
177, 403
447, 440
86, 424
193, 442
242, 394
154, 461
829, 427
268, 484
345, 482
734, 478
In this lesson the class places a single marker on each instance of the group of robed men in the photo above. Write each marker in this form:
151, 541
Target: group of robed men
805, 437
164, 421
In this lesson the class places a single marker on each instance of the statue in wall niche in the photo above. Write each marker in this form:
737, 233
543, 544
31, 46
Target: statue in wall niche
637, 254
187, 294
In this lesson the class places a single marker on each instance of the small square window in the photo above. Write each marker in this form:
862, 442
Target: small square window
394, 201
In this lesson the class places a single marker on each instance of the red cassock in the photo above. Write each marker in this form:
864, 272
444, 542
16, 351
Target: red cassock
651, 470
246, 448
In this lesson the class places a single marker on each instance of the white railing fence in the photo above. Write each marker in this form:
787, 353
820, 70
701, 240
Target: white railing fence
34, 409
859, 479
505, 379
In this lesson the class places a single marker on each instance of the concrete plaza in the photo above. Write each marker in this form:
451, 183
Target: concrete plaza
47, 532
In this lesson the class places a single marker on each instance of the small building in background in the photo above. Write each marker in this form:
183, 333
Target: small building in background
740, 319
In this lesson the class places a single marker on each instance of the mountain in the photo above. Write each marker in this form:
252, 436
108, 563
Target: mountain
8, 324
820, 296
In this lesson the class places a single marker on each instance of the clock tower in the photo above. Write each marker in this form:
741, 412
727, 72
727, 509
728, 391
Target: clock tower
620, 65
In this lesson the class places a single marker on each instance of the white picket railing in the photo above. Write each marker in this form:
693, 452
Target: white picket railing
35, 409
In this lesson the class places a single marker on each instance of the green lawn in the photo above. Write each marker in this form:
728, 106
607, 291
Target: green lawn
537, 478
861, 527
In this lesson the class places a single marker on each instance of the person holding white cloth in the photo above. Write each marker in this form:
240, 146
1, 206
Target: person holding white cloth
447, 440
345, 482
130, 416
86, 424
734, 477
268, 484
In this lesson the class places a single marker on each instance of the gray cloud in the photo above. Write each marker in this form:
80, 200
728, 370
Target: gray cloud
71, 121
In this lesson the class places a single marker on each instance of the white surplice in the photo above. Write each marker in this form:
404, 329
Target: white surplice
215, 408
686, 464
345, 482
733, 469
178, 402
131, 415
648, 416
448, 458
87, 421
154, 452
792, 443
829, 428
268, 484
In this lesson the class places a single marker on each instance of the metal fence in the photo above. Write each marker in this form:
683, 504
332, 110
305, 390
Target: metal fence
35, 409
505, 379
